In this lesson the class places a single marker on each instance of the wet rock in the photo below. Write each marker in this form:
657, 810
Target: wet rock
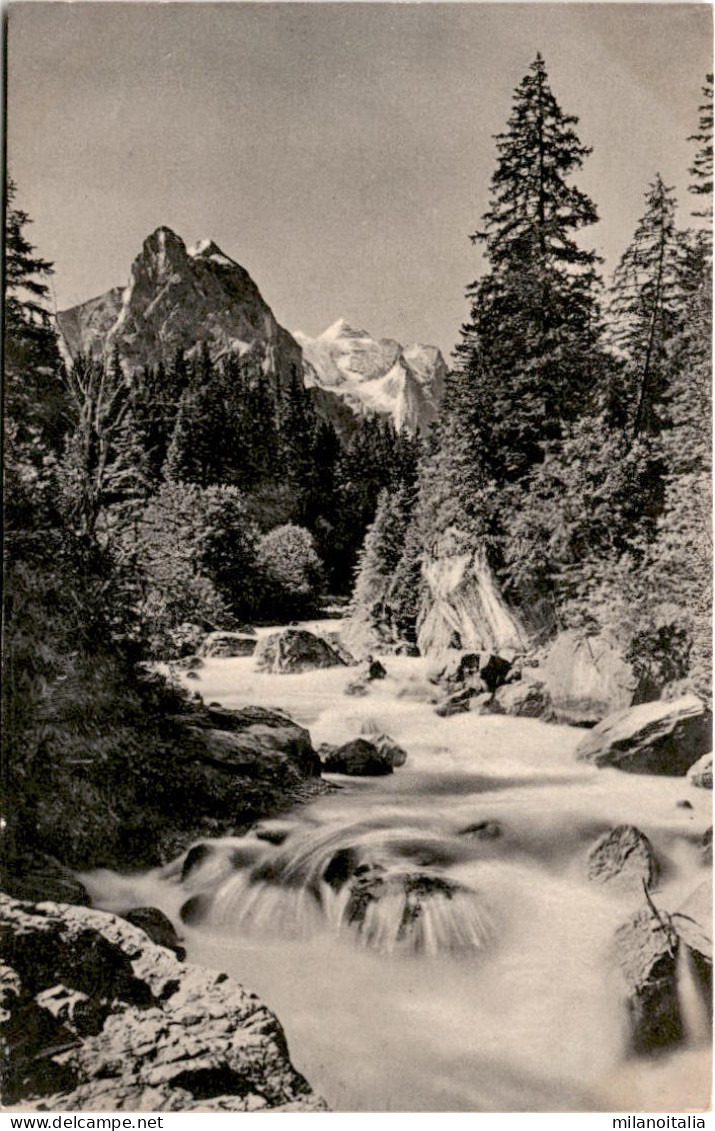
195, 857
341, 867
457, 704
624, 859
196, 909
646, 950
701, 772
295, 650
189, 663
683, 805
259, 743
652, 738
482, 830
706, 846
274, 832
401, 902
359, 758
388, 748
158, 927
587, 678
335, 642
356, 687
527, 699
229, 644
484, 704
374, 670
129, 1027
490, 673
36, 877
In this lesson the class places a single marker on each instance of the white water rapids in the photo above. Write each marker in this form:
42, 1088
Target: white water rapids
500, 996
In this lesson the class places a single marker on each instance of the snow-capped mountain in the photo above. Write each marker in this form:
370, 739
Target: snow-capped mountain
375, 376
181, 297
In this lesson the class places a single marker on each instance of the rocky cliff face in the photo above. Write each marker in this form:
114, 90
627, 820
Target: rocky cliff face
181, 298
351, 368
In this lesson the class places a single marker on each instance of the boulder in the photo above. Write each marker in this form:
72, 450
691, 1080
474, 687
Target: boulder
652, 738
36, 877
359, 758
457, 704
335, 642
157, 926
96, 1017
484, 671
229, 644
527, 699
624, 859
294, 650
356, 687
482, 830
483, 704
255, 742
587, 678
701, 772
388, 748
646, 951
374, 669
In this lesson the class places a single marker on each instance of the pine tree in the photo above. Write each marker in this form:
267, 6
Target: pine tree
35, 401
702, 168
646, 305
534, 321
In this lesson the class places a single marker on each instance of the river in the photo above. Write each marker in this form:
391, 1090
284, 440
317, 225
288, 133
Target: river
503, 997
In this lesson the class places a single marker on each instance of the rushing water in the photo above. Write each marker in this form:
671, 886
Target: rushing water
481, 978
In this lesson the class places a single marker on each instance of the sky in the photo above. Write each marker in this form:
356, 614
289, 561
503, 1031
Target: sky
341, 152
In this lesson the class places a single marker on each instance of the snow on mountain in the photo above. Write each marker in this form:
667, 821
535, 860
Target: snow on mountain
375, 376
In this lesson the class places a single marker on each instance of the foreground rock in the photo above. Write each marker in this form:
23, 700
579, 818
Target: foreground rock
229, 644
587, 678
701, 773
653, 738
654, 949
95, 1017
624, 859
295, 650
359, 758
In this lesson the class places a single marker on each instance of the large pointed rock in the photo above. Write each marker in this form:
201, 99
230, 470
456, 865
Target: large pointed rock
180, 298
464, 609
652, 738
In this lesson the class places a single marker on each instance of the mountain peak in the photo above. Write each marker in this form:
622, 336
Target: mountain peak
342, 329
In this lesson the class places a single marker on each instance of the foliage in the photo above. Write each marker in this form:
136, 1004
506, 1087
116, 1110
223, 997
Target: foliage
290, 573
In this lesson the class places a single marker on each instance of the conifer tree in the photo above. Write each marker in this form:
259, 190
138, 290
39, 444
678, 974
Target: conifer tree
702, 168
645, 307
534, 321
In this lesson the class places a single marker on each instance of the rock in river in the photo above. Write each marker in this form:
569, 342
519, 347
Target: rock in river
360, 758
701, 773
623, 858
96, 1017
652, 738
295, 650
